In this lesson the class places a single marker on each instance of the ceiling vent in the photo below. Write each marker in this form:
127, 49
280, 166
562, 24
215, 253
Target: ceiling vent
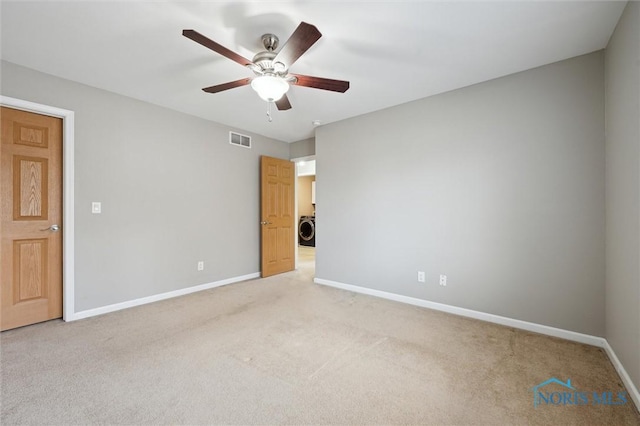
240, 140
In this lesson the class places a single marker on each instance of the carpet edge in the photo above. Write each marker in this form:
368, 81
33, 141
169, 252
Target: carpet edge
158, 297
599, 342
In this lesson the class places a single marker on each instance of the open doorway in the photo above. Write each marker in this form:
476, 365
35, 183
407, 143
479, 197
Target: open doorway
306, 206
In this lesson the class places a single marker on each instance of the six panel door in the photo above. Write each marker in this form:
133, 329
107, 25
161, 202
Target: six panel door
31, 218
277, 210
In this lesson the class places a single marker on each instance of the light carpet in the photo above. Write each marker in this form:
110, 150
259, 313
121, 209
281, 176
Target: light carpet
283, 350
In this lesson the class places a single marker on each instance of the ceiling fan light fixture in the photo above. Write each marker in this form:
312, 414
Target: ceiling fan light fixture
269, 87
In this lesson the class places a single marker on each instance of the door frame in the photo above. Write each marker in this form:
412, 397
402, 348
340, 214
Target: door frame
68, 256
297, 160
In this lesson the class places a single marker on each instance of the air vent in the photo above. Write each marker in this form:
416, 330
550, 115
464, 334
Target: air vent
240, 140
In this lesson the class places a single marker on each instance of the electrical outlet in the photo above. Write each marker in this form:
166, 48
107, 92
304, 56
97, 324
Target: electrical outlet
201, 266
420, 276
443, 280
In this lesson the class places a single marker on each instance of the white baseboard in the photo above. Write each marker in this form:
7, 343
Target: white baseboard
510, 322
157, 297
497, 319
631, 388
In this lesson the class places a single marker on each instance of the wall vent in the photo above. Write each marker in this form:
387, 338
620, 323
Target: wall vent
240, 140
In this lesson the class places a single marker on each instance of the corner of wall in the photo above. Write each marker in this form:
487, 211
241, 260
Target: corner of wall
622, 109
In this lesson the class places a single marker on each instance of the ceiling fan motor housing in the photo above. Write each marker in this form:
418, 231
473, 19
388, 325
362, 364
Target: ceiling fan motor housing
264, 60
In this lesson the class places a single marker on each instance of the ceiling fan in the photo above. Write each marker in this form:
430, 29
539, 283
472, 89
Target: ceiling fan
271, 68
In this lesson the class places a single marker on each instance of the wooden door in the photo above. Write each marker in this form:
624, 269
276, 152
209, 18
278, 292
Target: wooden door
277, 209
30, 218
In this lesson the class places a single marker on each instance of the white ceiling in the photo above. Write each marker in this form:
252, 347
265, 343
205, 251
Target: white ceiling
392, 52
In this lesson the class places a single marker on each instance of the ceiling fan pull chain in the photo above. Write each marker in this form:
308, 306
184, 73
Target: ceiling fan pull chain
269, 112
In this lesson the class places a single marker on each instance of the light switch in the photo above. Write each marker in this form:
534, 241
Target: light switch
96, 207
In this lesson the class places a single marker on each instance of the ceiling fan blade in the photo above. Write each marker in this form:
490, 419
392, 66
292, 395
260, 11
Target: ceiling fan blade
283, 103
218, 48
226, 86
321, 83
300, 41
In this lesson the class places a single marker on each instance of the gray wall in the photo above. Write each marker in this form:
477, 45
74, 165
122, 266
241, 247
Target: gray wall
303, 148
622, 64
173, 191
500, 186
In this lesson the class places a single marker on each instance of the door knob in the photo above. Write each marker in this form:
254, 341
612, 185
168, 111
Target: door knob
264, 222
54, 228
